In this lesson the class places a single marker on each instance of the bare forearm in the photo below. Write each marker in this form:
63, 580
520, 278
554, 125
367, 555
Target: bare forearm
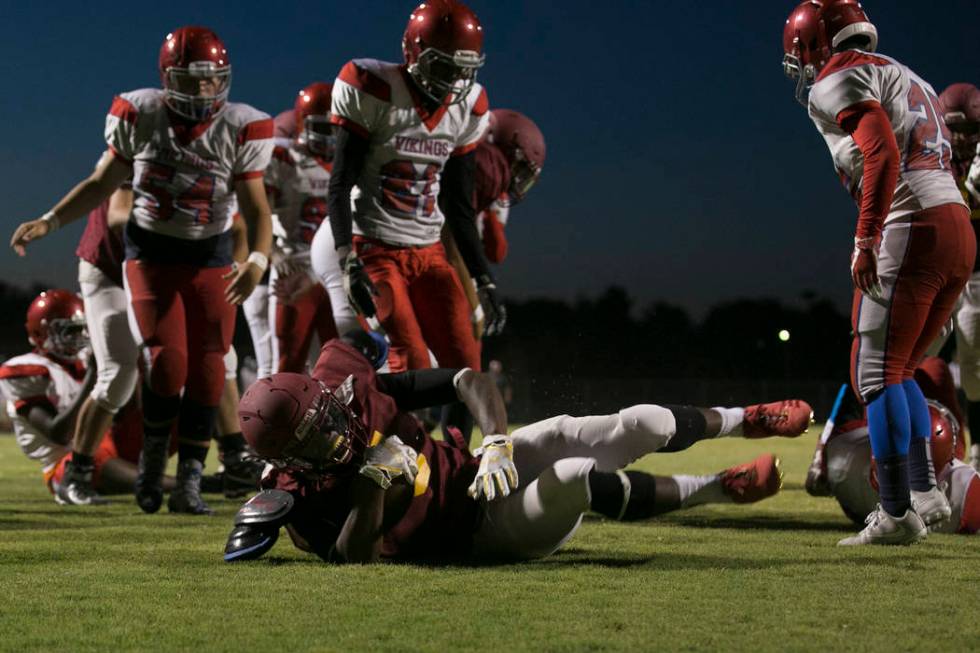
480, 394
81, 200
360, 538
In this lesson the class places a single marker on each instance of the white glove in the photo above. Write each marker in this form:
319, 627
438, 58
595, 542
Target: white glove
497, 476
389, 460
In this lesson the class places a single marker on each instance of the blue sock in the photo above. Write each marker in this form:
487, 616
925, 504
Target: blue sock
922, 476
890, 431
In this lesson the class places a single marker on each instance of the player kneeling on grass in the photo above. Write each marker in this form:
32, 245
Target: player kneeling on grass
356, 479
45, 390
843, 466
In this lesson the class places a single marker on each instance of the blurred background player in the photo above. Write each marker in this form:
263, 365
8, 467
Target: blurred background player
961, 103
189, 152
365, 481
404, 165
913, 245
297, 181
843, 465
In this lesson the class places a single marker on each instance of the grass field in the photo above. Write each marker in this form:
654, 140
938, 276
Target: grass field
756, 578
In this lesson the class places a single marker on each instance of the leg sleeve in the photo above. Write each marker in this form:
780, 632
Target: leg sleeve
256, 309
326, 267
540, 517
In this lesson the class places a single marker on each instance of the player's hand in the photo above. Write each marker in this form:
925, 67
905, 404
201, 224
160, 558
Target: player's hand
358, 285
389, 460
494, 311
244, 277
497, 476
27, 232
864, 268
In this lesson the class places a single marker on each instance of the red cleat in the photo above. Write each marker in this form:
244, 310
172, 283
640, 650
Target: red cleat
788, 418
754, 481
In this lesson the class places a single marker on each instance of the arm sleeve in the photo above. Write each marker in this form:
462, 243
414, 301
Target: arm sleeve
871, 130
420, 388
348, 162
120, 128
456, 202
494, 238
254, 149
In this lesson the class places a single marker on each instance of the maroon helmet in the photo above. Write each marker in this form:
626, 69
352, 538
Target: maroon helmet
294, 421
443, 45
312, 115
961, 111
195, 71
814, 30
56, 323
522, 143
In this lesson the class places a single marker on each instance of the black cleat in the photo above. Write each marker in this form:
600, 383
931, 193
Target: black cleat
186, 497
242, 473
149, 482
76, 488
213, 483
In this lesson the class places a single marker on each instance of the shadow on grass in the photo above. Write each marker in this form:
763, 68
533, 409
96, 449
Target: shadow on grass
758, 523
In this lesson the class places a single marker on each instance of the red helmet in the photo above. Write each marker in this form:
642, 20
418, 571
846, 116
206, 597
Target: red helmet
196, 72
312, 113
294, 421
56, 323
523, 145
814, 30
945, 434
443, 45
961, 106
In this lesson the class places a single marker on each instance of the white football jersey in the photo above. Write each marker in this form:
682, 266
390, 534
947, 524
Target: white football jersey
848, 457
925, 173
962, 486
184, 178
395, 198
32, 379
297, 182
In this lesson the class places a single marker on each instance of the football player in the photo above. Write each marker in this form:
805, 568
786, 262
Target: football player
356, 478
843, 465
404, 166
913, 245
296, 181
190, 153
961, 103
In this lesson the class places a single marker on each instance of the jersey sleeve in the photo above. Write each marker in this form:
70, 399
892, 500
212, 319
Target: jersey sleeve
254, 149
121, 127
476, 126
849, 80
359, 99
25, 385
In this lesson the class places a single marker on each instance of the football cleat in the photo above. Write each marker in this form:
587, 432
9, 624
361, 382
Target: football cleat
149, 480
186, 497
242, 473
789, 418
882, 528
932, 506
753, 481
76, 489
816, 475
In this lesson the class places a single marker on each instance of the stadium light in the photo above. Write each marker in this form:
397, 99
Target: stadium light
784, 335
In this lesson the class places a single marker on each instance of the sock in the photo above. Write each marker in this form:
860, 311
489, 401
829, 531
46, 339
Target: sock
231, 443
195, 428
731, 421
890, 432
922, 476
159, 414
691, 426
698, 490
630, 496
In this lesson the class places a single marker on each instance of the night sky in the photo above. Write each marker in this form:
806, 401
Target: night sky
679, 165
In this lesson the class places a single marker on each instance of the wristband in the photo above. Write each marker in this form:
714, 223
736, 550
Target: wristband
259, 260
864, 243
52, 220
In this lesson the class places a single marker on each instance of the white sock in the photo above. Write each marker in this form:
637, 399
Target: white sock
731, 421
698, 490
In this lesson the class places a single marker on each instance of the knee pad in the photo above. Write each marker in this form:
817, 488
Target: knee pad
114, 387
649, 421
166, 372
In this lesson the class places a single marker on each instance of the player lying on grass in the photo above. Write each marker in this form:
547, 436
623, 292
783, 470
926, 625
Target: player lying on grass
355, 478
843, 467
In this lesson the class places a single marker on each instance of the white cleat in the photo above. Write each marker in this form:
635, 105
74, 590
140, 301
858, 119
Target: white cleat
932, 506
882, 528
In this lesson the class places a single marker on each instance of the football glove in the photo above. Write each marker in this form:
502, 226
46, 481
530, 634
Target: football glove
864, 268
388, 460
497, 476
494, 311
358, 285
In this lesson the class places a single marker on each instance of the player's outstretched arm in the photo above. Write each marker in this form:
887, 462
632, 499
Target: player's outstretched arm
80, 200
480, 394
255, 212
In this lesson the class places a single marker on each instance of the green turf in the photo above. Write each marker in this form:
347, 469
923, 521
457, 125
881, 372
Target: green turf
763, 577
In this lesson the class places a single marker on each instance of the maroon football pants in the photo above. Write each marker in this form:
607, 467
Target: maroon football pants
185, 327
421, 305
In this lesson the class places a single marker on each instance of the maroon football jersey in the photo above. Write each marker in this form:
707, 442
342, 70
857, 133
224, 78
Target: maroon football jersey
441, 517
101, 246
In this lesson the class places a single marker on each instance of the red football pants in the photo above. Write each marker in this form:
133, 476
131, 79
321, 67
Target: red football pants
421, 305
185, 327
924, 263
297, 322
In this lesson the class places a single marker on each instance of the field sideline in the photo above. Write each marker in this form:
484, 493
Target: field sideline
759, 578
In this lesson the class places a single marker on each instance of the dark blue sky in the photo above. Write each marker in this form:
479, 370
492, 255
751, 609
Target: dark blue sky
679, 165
